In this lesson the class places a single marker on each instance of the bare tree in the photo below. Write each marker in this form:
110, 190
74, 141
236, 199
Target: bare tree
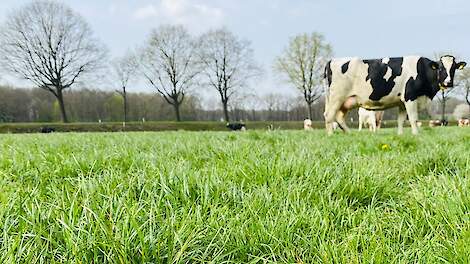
227, 63
124, 69
302, 62
443, 97
272, 102
253, 104
169, 64
461, 111
463, 83
50, 45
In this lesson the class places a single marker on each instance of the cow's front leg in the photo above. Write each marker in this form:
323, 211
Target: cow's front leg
412, 110
401, 118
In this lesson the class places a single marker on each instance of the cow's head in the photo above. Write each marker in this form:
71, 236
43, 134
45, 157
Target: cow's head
446, 70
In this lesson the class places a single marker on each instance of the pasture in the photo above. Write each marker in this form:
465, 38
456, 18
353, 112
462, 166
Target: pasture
225, 197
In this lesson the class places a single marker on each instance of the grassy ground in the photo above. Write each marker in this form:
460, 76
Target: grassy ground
281, 196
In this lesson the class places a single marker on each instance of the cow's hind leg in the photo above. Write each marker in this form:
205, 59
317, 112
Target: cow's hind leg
331, 111
350, 103
340, 115
337, 111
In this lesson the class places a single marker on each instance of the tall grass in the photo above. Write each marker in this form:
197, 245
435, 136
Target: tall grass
282, 196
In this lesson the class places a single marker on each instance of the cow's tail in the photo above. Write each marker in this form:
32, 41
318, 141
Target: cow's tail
327, 69
327, 80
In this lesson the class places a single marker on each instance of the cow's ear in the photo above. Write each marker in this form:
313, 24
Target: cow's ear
461, 65
434, 65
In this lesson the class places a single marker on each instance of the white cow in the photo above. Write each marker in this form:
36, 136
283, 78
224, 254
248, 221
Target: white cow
463, 122
307, 124
371, 118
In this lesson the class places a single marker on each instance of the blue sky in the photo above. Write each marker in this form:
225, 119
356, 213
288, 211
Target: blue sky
364, 28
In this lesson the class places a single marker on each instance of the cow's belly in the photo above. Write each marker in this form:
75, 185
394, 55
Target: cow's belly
362, 100
362, 94
355, 101
390, 102
382, 104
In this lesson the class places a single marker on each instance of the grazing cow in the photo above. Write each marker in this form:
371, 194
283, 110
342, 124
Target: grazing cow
464, 122
47, 129
404, 82
236, 126
372, 118
435, 123
307, 124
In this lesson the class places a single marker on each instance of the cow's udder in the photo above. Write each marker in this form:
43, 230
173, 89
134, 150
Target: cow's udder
350, 103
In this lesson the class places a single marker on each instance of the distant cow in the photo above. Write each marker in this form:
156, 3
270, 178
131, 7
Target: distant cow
378, 84
47, 129
307, 124
236, 126
464, 122
435, 123
335, 125
372, 118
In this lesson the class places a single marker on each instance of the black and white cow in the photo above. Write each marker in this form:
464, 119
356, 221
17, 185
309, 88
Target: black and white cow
47, 129
236, 126
403, 82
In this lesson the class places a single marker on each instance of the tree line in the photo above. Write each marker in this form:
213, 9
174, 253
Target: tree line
53, 48
92, 105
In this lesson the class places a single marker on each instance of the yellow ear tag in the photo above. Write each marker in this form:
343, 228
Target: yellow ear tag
442, 87
461, 67
433, 67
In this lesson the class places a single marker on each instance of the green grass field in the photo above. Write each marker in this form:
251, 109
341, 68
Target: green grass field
221, 197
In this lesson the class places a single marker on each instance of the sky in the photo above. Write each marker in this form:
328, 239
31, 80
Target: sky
359, 28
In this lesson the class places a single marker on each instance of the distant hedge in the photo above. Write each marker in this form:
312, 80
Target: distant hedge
164, 126
138, 126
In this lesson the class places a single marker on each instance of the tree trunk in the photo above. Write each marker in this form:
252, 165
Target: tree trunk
467, 96
177, 111
60, 99
443, 106
310, 111
124, 97
225, 106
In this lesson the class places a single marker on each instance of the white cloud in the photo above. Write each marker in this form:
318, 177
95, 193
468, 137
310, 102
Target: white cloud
112, 9
145, 12
195, 16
